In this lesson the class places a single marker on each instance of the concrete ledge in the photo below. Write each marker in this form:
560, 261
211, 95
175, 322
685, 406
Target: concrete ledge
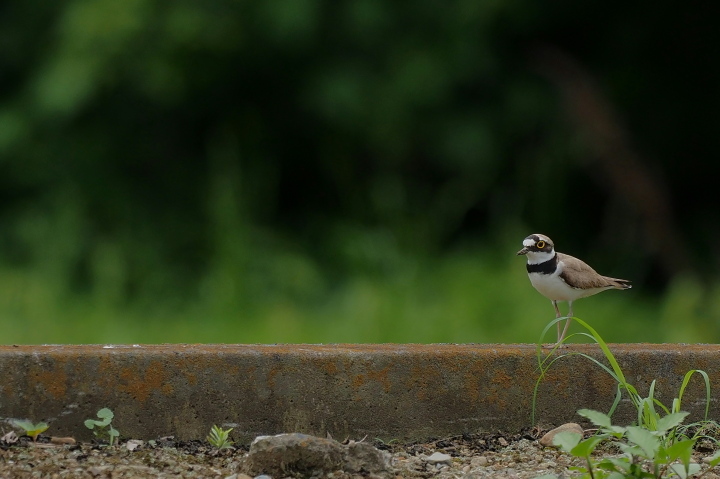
402, 391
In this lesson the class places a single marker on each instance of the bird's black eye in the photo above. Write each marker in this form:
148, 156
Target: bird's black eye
540, 244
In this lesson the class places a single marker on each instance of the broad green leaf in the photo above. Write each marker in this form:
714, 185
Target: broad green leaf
596, 417
90, 423
24, 424
31, 429
106, 416
104, 422
567, 440
615, 464
670, 421
37, 429
632, 450
105, 413
616, 431
644, 439
685, 471
586, 447
681, 450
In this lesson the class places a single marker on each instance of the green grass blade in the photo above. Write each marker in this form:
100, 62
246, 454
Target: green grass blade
685, 382
606, 351
614, 370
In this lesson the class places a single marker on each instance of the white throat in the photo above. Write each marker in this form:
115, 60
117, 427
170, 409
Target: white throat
537, 257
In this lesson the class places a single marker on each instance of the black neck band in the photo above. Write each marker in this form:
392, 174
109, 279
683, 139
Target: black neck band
548, 267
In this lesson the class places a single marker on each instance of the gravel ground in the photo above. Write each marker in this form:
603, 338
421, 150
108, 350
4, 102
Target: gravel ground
473, 456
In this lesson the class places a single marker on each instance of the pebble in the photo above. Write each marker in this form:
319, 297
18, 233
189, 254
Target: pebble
305, 454
438, 457
547, 439
133, 444
479, 461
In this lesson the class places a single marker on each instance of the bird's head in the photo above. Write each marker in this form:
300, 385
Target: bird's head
538, 248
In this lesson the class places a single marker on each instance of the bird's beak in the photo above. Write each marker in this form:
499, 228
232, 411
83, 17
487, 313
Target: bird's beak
523, 251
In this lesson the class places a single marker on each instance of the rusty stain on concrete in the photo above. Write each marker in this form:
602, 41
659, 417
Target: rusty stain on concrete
380, 376
53, 381
141, 384
403, 391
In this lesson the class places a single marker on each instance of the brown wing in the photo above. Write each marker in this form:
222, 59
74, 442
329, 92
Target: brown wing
578, 274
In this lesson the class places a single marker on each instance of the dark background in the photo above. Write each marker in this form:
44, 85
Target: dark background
323, 171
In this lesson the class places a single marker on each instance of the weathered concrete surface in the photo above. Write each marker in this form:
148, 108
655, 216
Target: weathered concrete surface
403, 391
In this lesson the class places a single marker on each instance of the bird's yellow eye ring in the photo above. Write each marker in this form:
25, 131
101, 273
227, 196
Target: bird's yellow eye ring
540, 244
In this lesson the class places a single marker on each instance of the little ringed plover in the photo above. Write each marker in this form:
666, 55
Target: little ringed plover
561, 277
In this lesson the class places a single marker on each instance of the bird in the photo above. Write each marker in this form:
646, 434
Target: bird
561, 277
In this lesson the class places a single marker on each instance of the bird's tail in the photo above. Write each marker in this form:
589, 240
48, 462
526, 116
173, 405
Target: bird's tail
619, 283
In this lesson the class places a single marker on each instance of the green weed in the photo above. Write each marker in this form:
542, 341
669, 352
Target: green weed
103, 428
219, 437
645, 453
31, 430
657, 446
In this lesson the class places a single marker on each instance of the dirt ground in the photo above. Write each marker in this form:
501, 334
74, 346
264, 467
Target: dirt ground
516, 456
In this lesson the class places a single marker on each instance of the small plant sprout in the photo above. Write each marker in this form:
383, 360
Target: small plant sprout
219, 437
31, 430
103, 427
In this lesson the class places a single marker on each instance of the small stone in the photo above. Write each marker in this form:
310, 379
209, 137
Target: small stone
309, 455
503, 442
479, 461
261, 476
133, 444
362, 457
547, 439
438, 457
301, 453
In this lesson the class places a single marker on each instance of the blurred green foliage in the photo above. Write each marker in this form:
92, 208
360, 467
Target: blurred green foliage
327, 171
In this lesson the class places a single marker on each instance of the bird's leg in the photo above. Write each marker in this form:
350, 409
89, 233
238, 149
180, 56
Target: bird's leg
557, 315
567, 323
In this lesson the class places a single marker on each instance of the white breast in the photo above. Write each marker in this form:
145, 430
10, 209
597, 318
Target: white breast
552, 287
